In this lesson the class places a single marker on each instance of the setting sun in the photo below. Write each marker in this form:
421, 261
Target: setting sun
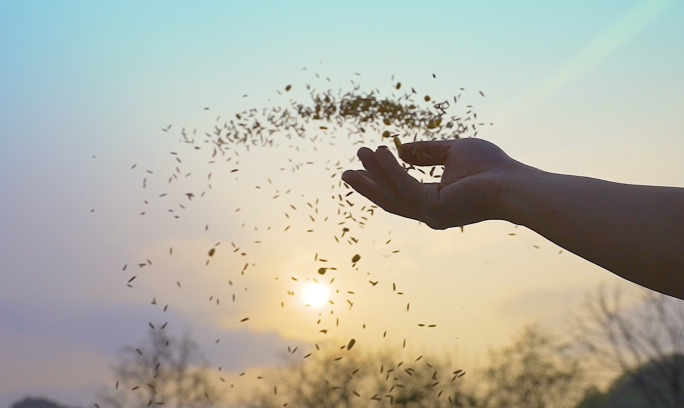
315, 294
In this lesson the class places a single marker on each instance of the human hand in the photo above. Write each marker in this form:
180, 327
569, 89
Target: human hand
471, 188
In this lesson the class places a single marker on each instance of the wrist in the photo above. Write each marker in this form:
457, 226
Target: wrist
515, 190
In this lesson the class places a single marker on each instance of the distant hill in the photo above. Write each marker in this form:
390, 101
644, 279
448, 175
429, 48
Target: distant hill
37, 403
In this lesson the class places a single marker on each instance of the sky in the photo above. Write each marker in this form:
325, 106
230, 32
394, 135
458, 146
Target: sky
583, 88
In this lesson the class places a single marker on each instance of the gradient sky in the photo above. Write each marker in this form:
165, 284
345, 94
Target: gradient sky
586, 88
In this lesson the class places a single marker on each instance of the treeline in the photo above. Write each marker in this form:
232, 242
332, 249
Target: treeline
637, 350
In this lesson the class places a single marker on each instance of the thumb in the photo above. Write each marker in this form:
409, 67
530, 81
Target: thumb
450, 175
429, 153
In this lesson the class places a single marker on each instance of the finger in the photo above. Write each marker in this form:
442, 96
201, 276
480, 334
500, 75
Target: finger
410, 188
377, 172
367, 188
365, 173
429, 153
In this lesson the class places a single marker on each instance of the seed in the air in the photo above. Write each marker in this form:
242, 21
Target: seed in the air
212, 251
287, 88
356, 258
351, 344
397, 143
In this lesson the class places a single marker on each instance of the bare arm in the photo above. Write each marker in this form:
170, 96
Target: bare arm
636, 232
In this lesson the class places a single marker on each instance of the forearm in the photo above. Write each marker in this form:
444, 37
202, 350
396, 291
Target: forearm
634, 231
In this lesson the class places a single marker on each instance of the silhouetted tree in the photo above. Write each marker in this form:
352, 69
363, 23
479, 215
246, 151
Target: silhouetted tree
163, 370
643, 345
536, 371
361, 380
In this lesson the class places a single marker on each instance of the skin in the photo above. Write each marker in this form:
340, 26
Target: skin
634, 231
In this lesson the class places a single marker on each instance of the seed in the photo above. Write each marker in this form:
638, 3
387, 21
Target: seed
397, 143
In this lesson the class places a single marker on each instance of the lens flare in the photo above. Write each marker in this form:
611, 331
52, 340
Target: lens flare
315, 294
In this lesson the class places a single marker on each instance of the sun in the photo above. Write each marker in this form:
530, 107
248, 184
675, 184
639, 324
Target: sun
315, 294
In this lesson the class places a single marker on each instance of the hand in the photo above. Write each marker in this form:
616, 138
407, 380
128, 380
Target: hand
470, 191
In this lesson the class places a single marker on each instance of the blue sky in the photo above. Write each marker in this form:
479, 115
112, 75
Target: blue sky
590, 88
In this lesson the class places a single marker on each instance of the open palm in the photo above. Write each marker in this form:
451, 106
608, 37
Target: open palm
470, 190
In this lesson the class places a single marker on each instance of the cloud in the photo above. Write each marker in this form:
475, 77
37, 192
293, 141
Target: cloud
543, 303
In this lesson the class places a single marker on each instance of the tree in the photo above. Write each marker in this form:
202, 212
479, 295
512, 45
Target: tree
361, 380
162, 370
644, 345
536, 371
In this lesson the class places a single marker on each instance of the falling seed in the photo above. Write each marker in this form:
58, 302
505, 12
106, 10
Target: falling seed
351, 344
244, 320
356, 258
212, 251
397, 143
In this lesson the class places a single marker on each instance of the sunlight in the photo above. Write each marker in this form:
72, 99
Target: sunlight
315, 294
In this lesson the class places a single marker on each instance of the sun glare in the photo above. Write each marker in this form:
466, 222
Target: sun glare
315, 294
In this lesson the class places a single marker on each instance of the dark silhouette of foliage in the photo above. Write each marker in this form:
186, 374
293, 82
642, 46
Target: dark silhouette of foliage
361, 380
536, 371
30, 402
163, 370
643, 345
